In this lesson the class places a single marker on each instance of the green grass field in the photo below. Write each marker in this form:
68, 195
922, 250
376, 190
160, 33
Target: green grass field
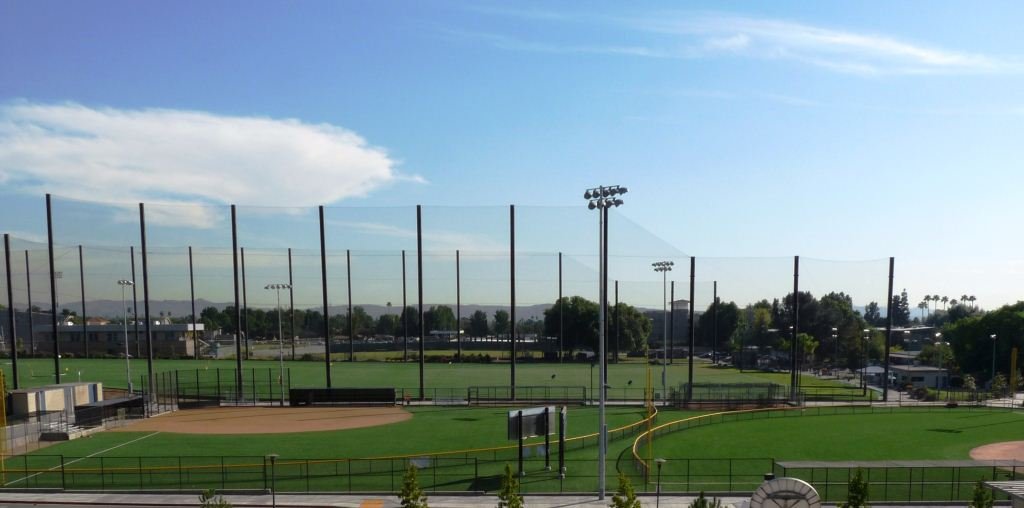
626, 378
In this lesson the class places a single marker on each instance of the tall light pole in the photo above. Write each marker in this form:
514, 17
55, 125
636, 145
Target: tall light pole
602, 198
124, 283
938, 357
664, 267
864, 372
280, 338
657, 499
835, 356
993, 337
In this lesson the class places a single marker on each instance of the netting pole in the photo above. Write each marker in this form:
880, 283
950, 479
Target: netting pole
238, 309
135, 305
28, 292
192, 297
81, 286
351, 321
561, 321
291, 301
11, 330
53, 291
145, 294
245, 307
888, 333
323, 283
458, 306
714, 323
419, 287
512, 284
671, 321
616, 348
405, 315
794, 375
693, 328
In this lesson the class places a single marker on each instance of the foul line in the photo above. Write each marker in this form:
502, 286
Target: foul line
126, 443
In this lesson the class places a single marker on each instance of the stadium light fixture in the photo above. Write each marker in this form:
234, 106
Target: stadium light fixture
125, 283
664, 267
280, 339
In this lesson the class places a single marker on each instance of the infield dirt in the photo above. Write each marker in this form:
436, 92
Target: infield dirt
267, 420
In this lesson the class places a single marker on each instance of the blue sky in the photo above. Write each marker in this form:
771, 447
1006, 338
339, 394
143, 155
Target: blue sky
830, 130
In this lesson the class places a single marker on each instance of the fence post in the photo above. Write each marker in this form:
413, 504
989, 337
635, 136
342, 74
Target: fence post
180, 487
140, 473
63, 478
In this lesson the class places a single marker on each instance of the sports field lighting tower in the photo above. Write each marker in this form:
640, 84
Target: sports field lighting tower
993, 337
601, 199
280, 339
124, 283
664, 267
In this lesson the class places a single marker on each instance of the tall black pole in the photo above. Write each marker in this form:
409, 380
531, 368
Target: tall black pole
512, 285
616, 353
145, 302
888, 334
323, 283
671, 321
53, 291
405, 314
245, 307
794, 373
458, 304
238, 308
351, 320
135, 305
714, 323
31, 324
192, 296
604, 301
561, 320
419, 287
81, 285
291, 301
693, 330
11, 330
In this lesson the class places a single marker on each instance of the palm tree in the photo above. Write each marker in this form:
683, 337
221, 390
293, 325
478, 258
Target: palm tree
928, 298
963, 299
972, 298
944, 300
923, 306
952, 303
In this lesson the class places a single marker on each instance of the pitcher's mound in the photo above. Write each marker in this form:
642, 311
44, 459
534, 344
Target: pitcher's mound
268, 420
1007, 450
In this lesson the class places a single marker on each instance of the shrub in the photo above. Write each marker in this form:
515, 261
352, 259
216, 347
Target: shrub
703, 502
508, 496
412, 495
625, 496
857, 492
982, 497
210, 499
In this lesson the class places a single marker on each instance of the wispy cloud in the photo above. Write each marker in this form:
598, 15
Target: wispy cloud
175, 156
689, 35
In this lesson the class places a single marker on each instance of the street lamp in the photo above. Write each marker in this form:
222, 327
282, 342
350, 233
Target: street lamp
280, 338
124, 283
664, 267
993, 337
657, 499
602, 198
864, 371
273, 479
835, 357
938, 357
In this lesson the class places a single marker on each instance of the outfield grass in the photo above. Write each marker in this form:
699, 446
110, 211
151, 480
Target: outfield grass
626, 378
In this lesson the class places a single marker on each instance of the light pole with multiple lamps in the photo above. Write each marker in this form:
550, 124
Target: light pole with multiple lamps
664, 267
601, 199
124, 283
280, 339
835, 355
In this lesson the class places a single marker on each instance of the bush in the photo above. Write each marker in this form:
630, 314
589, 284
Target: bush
982, 497
412, 495
703, 502
210, 499
625, 496
857, 492
508, 496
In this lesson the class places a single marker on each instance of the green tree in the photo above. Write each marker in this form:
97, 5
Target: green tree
633, 327
410, 317
508, 496
703, 502
728, 321
999, 385
579, 318
440, 318
982, 496
857, 492
478, 326
412, 495
210, 499
625, 496
501, 322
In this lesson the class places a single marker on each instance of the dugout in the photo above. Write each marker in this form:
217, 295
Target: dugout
95, 413
342, 396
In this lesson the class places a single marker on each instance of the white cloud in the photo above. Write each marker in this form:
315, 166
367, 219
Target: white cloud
175, 156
